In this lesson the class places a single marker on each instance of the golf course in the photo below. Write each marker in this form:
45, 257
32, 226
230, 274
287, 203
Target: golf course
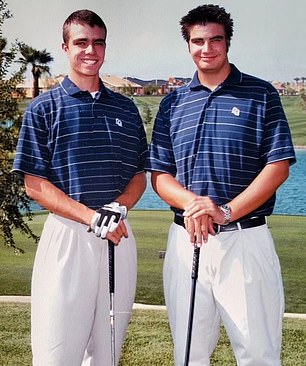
148, 341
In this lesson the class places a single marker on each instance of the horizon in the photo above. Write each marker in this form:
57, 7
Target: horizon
29, 78
144, 37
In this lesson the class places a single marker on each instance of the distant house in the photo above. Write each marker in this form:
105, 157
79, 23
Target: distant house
122, 85
280, 87
113, 82
174, 83
26, 88
286, 88
133, 86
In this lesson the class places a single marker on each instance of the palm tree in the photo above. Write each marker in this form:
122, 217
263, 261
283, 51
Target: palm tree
38, 60
297, 83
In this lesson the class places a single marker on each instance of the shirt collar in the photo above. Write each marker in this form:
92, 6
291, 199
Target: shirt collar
72, 89
235, 77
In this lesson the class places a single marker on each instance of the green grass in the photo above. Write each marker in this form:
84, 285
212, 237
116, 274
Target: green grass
297, 119
151, 228
153, 103
23, 104
16, 270
15, 347
149, 330
148, 340
295, 114
289, 234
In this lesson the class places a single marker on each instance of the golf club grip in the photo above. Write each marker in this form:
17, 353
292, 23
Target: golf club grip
111, 263
195, 262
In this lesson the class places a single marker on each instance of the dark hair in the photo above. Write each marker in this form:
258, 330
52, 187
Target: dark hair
82, 17
204, 14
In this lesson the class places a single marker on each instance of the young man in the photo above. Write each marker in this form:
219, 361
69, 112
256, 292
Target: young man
81, 150
221, 147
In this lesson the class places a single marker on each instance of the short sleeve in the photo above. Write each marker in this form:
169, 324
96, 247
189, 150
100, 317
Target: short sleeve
277, 143
161, 157
32, 152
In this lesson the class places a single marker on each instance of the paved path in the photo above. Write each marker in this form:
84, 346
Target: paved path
27, 299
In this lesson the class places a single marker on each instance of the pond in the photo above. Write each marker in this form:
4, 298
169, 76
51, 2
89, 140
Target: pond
290, 198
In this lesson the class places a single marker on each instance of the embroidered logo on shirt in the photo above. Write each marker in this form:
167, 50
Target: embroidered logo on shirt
236, 111
118, 122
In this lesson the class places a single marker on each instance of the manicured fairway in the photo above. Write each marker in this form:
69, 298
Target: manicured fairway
148, 340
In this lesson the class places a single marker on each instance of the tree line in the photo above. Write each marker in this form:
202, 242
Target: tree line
13, 198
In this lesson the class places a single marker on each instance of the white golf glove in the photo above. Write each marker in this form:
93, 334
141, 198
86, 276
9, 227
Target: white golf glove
107, 218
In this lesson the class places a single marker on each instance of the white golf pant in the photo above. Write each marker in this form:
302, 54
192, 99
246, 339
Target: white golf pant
70, 295
239, 284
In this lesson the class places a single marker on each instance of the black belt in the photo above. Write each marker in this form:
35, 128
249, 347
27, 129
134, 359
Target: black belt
236, 225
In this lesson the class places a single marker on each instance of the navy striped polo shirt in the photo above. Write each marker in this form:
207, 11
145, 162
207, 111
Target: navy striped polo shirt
90, 148
216, 142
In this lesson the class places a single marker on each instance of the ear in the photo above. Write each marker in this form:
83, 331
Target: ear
64, 47
228, 43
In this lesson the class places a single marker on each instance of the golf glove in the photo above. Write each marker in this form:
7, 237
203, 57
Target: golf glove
107, 218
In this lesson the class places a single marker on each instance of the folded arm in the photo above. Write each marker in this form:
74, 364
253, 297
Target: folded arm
174, 194
256, 194
54, 200
260, 190
201, 211
133, 191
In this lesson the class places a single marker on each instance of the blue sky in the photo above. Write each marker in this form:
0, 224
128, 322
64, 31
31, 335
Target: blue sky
144, 36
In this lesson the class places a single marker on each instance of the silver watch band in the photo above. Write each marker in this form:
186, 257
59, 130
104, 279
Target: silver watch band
227, 213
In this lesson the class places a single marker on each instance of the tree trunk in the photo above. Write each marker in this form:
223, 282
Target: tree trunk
35, 85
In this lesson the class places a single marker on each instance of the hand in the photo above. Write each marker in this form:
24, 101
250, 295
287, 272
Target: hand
107, 219
116, 235
199, 228
204, 205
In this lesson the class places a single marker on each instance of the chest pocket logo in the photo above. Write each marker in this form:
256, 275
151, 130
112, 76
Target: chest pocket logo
236, 111
118, 122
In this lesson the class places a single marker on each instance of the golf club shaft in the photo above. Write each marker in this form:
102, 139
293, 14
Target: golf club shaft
194, 277
111, 264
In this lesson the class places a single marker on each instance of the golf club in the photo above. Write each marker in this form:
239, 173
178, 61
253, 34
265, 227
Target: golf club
111, 264
194, 277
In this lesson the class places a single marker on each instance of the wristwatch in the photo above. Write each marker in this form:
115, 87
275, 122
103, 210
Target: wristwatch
227, 213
